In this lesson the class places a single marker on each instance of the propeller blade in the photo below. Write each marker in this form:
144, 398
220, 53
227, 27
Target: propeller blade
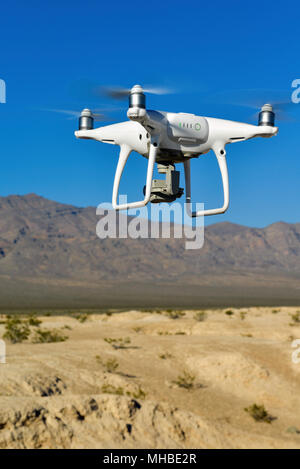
70, 113
280, 100
280, 116
256, 98
114, 92
157, 90
97, 115
117, 92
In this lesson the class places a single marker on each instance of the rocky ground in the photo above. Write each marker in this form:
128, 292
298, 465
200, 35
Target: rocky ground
160, 379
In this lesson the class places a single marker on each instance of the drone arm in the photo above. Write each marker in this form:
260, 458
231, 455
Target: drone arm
124, 154
221, 157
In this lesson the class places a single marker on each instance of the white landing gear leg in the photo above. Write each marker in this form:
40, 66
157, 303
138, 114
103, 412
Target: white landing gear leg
221, 157
124, 154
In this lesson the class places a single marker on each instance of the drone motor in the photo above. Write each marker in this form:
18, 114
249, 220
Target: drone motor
266, 116
86, 120
137, 99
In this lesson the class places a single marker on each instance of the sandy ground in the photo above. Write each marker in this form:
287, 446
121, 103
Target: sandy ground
59, 395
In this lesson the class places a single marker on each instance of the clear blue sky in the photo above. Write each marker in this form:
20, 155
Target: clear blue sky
197, 47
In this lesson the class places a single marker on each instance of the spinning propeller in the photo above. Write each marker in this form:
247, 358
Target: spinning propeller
97, 114
120, 93
277, 101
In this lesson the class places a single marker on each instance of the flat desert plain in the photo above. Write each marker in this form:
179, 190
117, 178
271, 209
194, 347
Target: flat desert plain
161, 379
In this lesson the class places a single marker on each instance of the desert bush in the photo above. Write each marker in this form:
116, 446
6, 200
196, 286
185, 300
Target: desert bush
120, 343
294, 430
229, 312
32, 320
139, 394
119, 391
110, 389
81, 317
44, 336
200, 316
111, 365
165, 356
174, 314
137, 329
186, 380
296, 317
259, 413
243, 315
16, 330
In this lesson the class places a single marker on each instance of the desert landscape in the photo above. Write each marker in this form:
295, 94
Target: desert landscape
51, 257
214, 378
139, 343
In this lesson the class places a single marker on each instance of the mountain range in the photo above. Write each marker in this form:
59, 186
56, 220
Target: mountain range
51, 257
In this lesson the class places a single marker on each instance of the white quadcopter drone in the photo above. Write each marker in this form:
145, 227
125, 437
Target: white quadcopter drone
168, 138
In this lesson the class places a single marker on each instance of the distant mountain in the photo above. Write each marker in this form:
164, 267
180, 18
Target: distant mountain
50, 256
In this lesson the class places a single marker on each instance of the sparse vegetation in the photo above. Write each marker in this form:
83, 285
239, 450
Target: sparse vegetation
111, 365
296, 317
293, 430
139, 394
110, 389
200, 316
229, 312
120, 343
45, 336
137, 329
186, 380
275, 311
174, 314
81, 317
165, 356
16, 330
33, 321
259, 413
119, 391
243, 315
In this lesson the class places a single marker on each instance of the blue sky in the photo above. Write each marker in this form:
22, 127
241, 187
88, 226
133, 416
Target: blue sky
198, 48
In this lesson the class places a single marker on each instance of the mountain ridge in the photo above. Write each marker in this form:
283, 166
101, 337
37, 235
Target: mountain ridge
43, 242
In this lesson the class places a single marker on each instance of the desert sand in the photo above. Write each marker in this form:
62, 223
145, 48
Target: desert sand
59, 395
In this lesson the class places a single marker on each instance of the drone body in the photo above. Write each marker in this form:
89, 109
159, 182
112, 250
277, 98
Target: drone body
168, 138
